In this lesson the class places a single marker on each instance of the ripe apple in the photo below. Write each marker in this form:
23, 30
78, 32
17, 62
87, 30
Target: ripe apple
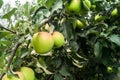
58, 39
114, 12
19, 76
74, 6
42, 42
28, 73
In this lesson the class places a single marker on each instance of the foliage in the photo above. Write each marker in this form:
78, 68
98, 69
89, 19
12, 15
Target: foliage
86, 54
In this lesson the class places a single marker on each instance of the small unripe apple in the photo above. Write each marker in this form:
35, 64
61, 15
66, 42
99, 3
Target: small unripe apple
87, 4
109, 69
58, 39
19, 76
79, 24
99, 17
42, 42
114, 12
74, 6
28, 73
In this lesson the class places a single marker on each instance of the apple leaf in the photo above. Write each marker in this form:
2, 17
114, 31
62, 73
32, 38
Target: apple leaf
9, 14
1, 3
58, 77
57, 5
115, 39
49, 3
97, 50
64, 71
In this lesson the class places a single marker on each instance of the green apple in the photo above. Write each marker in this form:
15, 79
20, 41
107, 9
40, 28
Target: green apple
109, 69
28, 73
58, 39
114, 12
19, 76
74, 6
99, 17
87, 4
80, 24
42, 42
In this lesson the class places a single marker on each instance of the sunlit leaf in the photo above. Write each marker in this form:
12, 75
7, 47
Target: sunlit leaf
115, 39
9, 14
49, 3
57, 5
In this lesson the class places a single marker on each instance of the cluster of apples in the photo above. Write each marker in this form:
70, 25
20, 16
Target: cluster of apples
43, 42
113, 13
25, 73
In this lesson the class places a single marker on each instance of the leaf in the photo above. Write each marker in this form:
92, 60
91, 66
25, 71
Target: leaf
1, 3
4, 33
64, 71
115, 39
41, 63
1, 60
26, 9
9, 14
49, 3
98, 50
58, 77
57, 5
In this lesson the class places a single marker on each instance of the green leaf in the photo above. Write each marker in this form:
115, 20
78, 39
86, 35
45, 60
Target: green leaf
57, 5
98, 50
41, 63
1, 3
49, 3
9, 14
64, 71
1, 59
4, 33
115, 39
58, 77
26, 9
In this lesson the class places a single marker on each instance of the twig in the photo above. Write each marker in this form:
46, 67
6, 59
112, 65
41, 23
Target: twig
7, 29
11, 58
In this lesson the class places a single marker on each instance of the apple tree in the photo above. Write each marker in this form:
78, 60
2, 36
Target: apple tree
61, 39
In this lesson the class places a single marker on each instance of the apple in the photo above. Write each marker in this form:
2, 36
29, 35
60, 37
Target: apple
19, 76
74, 6
80, 24
114, 12
28, 73
99, 17
58, 39
42, 42
87, 4
109, 69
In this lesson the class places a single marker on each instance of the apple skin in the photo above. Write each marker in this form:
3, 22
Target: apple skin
79, 24
12, 77
114, 12
28, 73
74, 6
58, 39
42, 42
99, 17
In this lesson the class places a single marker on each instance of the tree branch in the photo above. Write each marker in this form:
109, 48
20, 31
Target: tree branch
7, 29
11, 58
